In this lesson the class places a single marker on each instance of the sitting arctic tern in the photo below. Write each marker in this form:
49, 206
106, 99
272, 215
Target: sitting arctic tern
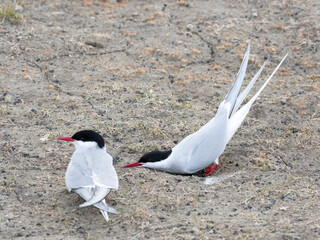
90, 172
201, 150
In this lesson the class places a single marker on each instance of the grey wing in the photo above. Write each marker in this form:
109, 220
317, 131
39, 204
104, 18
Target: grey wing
78, 172
103, 171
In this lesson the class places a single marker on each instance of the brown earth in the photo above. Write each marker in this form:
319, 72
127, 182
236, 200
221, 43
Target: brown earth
146, 74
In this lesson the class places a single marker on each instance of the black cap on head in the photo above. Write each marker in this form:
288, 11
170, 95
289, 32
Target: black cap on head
155, 156
89, 136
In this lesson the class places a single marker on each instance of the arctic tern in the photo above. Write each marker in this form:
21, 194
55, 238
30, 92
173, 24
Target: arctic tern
90, 172
200, 151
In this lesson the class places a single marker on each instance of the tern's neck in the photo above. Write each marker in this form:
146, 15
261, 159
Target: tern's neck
85, 146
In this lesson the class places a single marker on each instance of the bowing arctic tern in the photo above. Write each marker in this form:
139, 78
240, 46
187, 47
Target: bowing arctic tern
201, 150
90, 172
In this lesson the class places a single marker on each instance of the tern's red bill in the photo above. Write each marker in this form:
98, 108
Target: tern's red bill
68, 139
135, 164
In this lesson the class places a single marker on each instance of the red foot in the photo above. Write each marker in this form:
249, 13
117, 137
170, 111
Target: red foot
209, 170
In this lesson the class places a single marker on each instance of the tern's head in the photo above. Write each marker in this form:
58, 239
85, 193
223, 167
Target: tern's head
151, 157
85, 139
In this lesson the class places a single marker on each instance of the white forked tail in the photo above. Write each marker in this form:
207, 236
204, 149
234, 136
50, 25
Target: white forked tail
105, 215
245, 92
238, 116
87, 193
99, 194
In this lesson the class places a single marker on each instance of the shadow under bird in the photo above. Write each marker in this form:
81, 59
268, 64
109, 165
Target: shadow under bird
90, 172
200, 151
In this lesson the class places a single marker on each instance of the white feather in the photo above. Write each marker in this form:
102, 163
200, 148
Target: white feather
202, 148
91, 174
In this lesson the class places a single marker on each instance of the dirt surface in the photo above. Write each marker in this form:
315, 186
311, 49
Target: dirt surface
146, 74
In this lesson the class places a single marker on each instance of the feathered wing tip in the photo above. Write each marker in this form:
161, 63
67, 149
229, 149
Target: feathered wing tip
245, 92
239, 115
233, 93
88, 192
106, 209
104, 206
105, 215
99, 194
110, 210
248, 104
266, 82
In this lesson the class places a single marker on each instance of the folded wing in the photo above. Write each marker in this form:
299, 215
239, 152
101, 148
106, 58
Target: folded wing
87, 192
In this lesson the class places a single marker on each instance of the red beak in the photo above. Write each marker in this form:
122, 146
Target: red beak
68, 139
135, 164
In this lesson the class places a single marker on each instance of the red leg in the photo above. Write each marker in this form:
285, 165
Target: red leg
209, 170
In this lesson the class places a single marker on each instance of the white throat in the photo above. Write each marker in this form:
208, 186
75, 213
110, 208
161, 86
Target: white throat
83, 146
